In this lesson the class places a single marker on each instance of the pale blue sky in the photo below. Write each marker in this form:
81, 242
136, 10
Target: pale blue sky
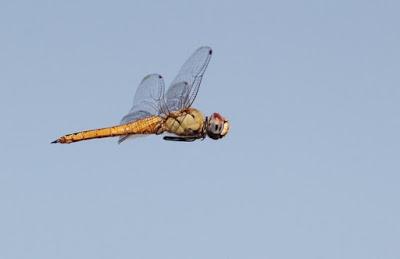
310, 168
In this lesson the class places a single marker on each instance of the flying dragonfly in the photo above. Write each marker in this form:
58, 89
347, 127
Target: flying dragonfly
155, 111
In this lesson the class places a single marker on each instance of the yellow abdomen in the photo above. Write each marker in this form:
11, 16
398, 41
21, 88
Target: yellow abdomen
148, 125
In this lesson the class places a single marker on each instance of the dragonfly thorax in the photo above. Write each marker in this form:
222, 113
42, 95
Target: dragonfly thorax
188, 122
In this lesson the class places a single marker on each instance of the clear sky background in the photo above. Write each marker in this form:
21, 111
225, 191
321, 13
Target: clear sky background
310, 168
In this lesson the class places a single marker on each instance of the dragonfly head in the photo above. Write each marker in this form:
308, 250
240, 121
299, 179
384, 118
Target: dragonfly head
217, 126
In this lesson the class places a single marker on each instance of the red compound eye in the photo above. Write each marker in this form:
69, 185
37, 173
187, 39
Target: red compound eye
218, 116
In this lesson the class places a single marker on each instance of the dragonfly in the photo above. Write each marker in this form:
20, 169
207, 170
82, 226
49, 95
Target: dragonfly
156, 111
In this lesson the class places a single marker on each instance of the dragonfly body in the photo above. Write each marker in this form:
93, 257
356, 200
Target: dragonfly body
188, 123
155, 111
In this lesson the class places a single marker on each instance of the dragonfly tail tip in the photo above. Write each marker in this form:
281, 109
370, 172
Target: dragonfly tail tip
54, 142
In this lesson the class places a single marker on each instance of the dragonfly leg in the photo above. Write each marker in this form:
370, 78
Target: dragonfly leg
183, 139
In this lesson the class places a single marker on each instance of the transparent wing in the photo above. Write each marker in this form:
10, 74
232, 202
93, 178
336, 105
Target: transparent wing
148, 99
176, 96
129, 137
184, 88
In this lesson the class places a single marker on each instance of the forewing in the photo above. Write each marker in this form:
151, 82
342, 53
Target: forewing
186, 84
176, 96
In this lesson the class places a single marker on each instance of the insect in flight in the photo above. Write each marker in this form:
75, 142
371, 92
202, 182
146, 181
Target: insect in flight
155, 111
